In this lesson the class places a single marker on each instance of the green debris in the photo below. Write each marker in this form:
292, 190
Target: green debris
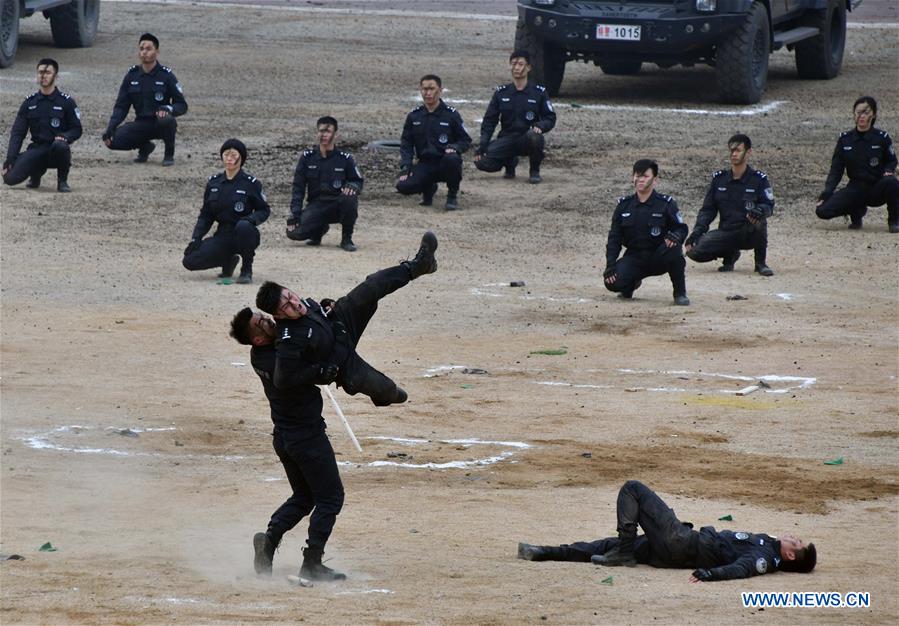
726, 518
607, 581
552, 351
47, 547
224, 281
575, 105
467, 386
838, 461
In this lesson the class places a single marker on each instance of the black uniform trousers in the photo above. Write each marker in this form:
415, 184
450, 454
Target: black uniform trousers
322, 211
427, 173
137, 133
502, 150
723, 243
312, 472
355, 310
37, 159
855, 198
635, 266
217, 250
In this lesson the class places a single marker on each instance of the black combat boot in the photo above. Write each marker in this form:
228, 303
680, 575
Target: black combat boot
424, 261
144, 152
346, 240
534, 177
529, 552
228, 268
246, 273
452, 199
313, 569
427, 197
510, 168
169, 157
763, 269
62, 186
892, 220
264, 547
622, 554
728, 261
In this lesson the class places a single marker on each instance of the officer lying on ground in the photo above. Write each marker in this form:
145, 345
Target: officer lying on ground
668, 542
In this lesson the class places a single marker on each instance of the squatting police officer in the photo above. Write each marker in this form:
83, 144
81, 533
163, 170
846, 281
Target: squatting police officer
235, 200
868, 157
649, 226
743, 200
157, 97
433, 132
54, 121
525, 115
331, 181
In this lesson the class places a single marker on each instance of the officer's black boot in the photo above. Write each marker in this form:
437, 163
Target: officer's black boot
346, 242
144, 152
424, 261
622, 554
264, 547
728, 262
893, 220
529, 552
246, 272
313, 569
761, 267
452, 199
510, 168
228, 268
62, 179
168, 158
427, 196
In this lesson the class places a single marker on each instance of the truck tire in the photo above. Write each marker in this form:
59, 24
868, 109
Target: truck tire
74, 25
820, 57
547, 61
9, 31
741, 66
620, 68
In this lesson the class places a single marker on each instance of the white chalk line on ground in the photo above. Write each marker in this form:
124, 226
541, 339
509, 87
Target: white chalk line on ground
467, 442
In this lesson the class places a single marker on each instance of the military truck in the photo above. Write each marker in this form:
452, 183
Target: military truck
72, 22
734, 36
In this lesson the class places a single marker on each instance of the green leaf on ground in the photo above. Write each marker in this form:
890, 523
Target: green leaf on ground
47, 547
838, 461
552, 351
607, 581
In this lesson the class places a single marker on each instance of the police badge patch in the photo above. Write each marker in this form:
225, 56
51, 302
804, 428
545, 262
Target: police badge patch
443, 138
238, 206
874, 161
761, 566
741, 536
78, 113
54, 122
336, 183
769, 193
178, 87
656, 231
159, 96
749, 205
529, 115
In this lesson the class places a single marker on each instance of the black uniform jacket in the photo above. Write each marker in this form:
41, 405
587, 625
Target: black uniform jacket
304, 345
294, 410
642, 227
323, 176
428, 134
728, 554
517, 111
46, 117
732, 199
147, 92
229, 201
863, 156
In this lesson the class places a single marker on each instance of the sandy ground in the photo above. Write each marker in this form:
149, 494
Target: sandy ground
102, 330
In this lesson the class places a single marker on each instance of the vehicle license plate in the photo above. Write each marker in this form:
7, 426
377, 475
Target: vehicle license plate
618, 31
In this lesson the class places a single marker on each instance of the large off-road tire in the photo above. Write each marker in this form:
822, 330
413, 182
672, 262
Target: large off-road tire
74, 25
619, 67
821, 57
547, 61
741, 65
9, 31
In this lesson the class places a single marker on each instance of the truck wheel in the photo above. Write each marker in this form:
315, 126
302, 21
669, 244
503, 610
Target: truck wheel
620, 68
741, 66
821, 57
547, 61
9, 31
74, 25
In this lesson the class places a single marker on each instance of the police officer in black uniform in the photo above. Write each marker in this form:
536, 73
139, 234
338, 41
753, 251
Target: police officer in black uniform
525, 114
317, 341
743, 200
435, 134
868, 157
54, 121
302, 445
235, 200
157, 97
649, 226
332, 182
668, 542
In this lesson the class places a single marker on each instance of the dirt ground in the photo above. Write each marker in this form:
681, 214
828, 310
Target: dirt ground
135, 437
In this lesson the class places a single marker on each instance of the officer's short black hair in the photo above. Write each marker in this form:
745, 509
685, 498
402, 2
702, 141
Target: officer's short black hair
871, 102
150, 38
326, 119
805, 560
268, 297
520, 54
49, 61
433, 77
646, 164
235, 144
240, 326
740, 138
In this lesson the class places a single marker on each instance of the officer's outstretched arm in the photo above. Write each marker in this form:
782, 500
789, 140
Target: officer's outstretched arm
744, 567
